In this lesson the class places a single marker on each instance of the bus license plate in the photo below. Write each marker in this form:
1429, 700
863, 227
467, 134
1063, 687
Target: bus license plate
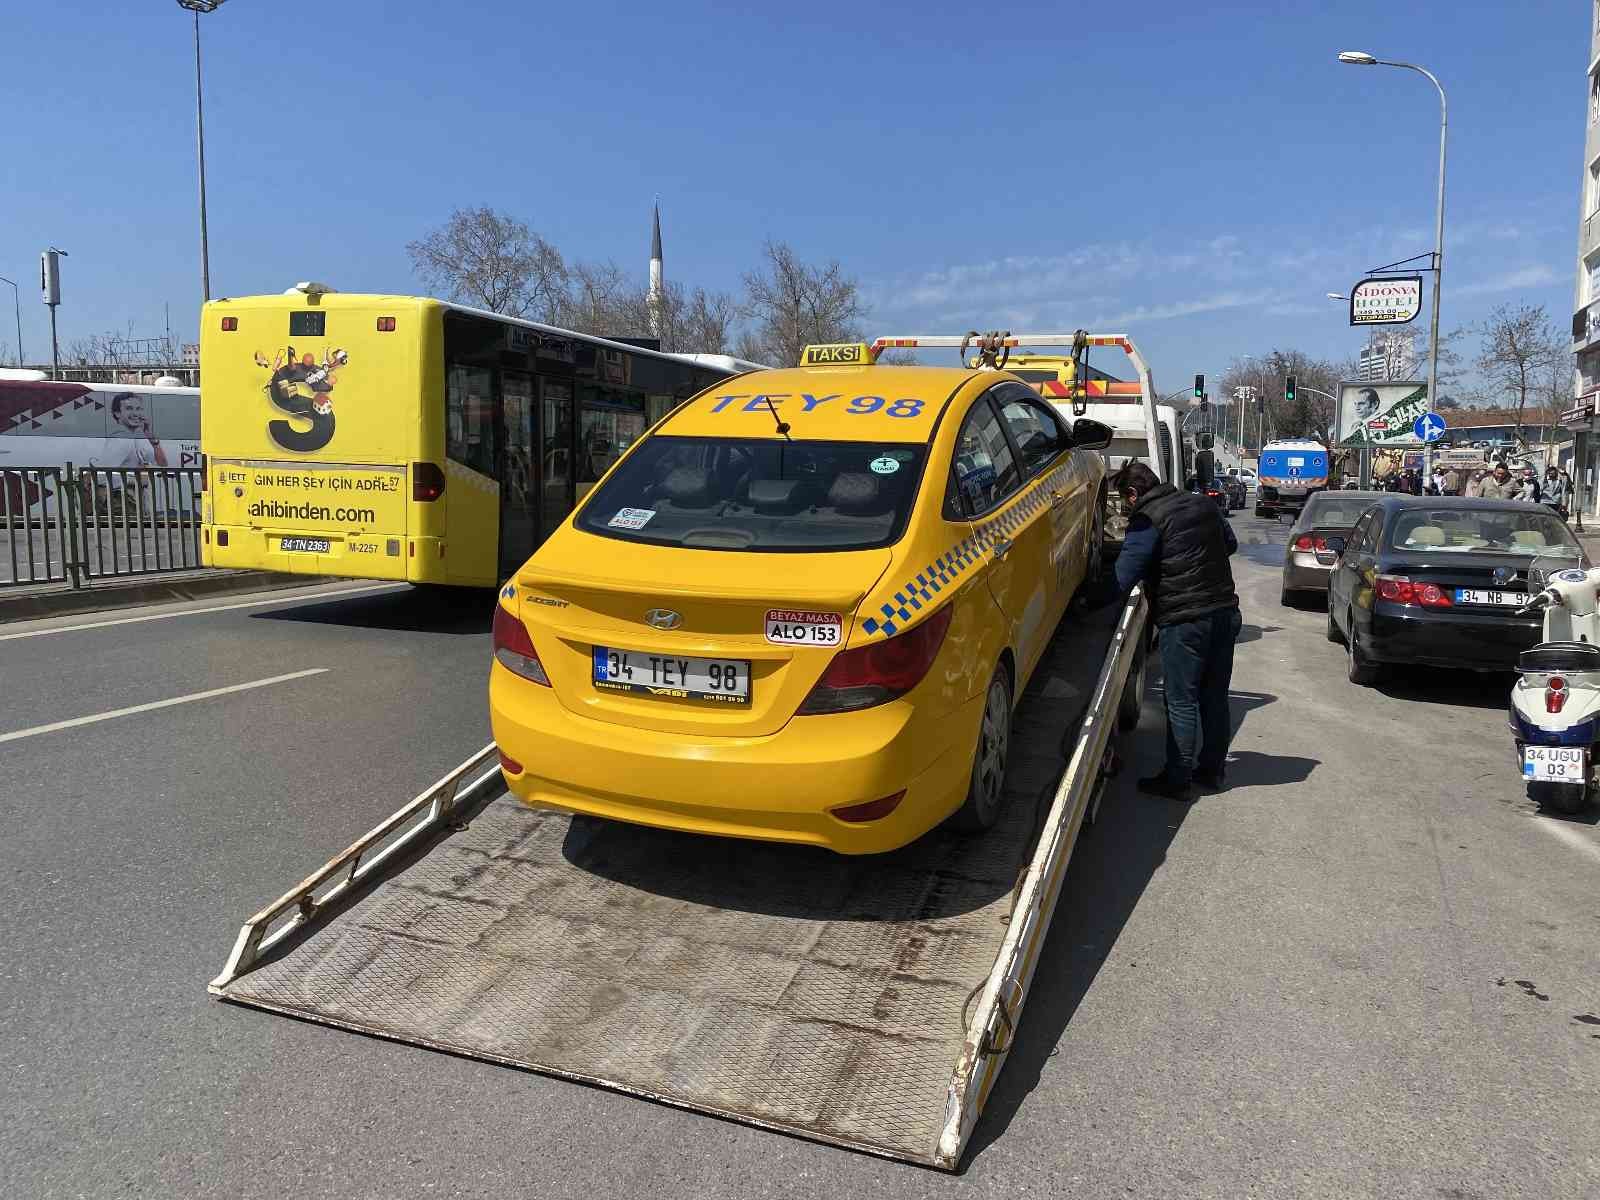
304, 545
1553, 764
722, 680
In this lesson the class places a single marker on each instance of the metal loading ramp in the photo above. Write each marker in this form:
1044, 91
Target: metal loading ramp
863, 1002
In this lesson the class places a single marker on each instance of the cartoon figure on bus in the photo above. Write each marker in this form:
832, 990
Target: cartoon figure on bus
303, 388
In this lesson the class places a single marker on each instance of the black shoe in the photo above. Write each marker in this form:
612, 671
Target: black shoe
1167, 788
1212, 781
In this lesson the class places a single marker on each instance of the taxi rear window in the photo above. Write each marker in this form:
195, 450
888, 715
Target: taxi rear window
758, 495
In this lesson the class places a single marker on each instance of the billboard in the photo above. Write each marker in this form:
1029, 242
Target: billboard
1381, 414
1393, 300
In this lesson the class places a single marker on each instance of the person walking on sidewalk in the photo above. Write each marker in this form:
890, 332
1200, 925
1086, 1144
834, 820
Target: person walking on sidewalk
1178, 545
1556, 491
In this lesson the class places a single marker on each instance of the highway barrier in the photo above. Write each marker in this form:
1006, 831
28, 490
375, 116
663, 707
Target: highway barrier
77, 525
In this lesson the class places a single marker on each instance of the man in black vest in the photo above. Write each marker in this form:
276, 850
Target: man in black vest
1178, 545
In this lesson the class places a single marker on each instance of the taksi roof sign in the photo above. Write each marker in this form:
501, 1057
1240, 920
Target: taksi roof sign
1392, 300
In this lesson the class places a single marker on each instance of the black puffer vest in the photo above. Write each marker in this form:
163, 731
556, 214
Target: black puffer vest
1190, 576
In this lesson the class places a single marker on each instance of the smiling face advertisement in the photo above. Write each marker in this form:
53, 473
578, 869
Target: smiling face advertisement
1381, 413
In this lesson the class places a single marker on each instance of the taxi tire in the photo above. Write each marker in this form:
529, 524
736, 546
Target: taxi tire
986, 784
1130, 705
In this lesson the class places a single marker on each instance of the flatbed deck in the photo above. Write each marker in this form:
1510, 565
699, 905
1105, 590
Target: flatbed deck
865, 1002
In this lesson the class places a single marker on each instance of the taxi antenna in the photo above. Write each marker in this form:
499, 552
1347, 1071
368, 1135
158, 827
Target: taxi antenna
783, 426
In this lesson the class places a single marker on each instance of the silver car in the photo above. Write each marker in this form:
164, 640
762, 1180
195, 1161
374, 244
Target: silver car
1308, 557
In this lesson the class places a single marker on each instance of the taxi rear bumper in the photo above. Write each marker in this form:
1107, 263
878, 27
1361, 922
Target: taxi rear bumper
774, 787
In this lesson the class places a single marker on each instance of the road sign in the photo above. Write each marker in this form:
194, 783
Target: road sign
1429, 427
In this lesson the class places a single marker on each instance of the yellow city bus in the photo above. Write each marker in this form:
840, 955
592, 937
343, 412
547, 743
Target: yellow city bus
397, 437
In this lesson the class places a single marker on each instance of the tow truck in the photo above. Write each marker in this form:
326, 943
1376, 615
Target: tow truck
868, 1003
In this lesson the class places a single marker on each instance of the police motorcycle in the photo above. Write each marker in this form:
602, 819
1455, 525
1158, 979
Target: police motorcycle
1555, 703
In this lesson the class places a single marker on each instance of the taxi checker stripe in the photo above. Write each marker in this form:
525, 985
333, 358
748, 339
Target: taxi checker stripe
945, 569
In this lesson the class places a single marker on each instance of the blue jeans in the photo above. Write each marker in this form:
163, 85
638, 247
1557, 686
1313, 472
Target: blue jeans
1197, 665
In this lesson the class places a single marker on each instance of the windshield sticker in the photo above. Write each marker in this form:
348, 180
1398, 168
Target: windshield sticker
801, 627
631, 518
884, 465
859, 406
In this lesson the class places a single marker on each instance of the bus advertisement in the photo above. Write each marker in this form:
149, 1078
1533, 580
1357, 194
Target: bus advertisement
44, 423
399, 437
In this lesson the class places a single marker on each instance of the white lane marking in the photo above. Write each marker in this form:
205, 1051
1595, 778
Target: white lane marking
1568, 835
194, 612
155, 704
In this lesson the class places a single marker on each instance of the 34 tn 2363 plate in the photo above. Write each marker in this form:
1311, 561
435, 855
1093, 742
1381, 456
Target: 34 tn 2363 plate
721, 680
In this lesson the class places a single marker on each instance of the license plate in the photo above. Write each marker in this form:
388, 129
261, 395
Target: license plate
304, 545
1480, 596
1553, 764
800, 627
722, 680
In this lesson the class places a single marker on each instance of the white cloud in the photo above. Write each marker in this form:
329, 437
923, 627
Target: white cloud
1534, 275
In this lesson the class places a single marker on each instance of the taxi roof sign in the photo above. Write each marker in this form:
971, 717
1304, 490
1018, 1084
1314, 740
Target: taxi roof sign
838, 354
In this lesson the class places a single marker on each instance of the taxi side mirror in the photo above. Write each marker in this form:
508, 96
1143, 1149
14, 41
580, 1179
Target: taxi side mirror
1088, 434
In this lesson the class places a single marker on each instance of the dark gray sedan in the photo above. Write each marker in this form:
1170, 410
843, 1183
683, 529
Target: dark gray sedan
1308, 559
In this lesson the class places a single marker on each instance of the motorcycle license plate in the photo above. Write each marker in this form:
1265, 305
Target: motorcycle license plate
1553, 764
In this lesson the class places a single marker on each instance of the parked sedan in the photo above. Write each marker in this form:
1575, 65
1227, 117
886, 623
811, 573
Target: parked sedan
1308, 556
1438, 580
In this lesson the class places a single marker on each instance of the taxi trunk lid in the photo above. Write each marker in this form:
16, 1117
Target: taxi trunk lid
719, 602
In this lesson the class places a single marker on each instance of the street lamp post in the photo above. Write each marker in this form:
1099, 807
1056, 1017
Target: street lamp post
16, 301
1361, 58
197, 7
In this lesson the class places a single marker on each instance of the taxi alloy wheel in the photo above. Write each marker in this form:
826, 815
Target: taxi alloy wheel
986, 790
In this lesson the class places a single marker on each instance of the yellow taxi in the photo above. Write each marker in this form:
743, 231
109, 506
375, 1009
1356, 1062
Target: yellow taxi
802, 607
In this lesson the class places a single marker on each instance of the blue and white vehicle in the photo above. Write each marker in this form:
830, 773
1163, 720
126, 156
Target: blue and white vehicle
1289, 471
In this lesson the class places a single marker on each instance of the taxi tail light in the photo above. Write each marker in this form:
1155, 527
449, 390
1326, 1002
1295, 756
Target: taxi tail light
879, 671
508, 764
513, 648
872, 810
427, 481
1555, 694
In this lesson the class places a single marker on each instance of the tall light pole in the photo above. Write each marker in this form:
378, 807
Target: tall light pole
16, 302
1361, 58
197, 7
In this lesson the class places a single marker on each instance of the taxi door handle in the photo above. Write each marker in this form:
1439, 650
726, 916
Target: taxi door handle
1002, 547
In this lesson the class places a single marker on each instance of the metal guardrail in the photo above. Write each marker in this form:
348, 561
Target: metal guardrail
78, 524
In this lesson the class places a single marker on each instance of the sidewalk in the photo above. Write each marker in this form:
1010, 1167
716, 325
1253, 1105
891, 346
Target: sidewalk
33, 600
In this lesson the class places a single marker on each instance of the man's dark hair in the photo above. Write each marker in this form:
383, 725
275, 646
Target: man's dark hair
1135, 477
117, 402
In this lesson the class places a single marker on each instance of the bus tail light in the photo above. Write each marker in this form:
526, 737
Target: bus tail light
229, 324
513, 648
205, 485
385, 324
879, 671
427, 481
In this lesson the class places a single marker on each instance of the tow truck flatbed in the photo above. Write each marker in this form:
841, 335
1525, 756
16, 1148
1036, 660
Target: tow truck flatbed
865, 1002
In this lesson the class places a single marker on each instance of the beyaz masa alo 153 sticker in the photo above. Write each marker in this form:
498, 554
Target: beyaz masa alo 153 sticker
884, 465
802, 627
631, 518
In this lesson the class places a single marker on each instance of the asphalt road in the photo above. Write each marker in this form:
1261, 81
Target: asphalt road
1369, 968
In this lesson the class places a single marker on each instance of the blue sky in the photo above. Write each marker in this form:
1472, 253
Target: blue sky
1197, 175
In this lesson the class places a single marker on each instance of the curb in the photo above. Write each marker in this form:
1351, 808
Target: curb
153, 589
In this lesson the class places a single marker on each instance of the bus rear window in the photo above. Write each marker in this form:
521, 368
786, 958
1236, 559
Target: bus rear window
744, 494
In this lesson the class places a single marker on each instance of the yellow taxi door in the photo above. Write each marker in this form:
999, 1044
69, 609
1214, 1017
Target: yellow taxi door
1011, 528
1044, 451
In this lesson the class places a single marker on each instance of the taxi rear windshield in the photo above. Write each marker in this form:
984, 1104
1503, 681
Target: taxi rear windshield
760, 495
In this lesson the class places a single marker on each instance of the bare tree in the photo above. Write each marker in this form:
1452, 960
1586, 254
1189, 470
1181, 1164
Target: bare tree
702, 322
492, 260
1519, 348
600, 299
794, 304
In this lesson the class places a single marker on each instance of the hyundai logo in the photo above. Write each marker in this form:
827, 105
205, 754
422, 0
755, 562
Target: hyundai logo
662, 618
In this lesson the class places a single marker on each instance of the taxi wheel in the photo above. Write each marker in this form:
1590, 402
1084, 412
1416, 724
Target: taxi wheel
1095, 552
986, 789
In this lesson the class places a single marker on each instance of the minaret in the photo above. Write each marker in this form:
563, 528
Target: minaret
655, 273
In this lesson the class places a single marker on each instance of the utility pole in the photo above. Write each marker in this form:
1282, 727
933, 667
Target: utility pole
197, 7
16, 304
50, 285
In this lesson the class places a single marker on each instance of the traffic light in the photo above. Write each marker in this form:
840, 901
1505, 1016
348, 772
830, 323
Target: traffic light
1199, 387
1288, 388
